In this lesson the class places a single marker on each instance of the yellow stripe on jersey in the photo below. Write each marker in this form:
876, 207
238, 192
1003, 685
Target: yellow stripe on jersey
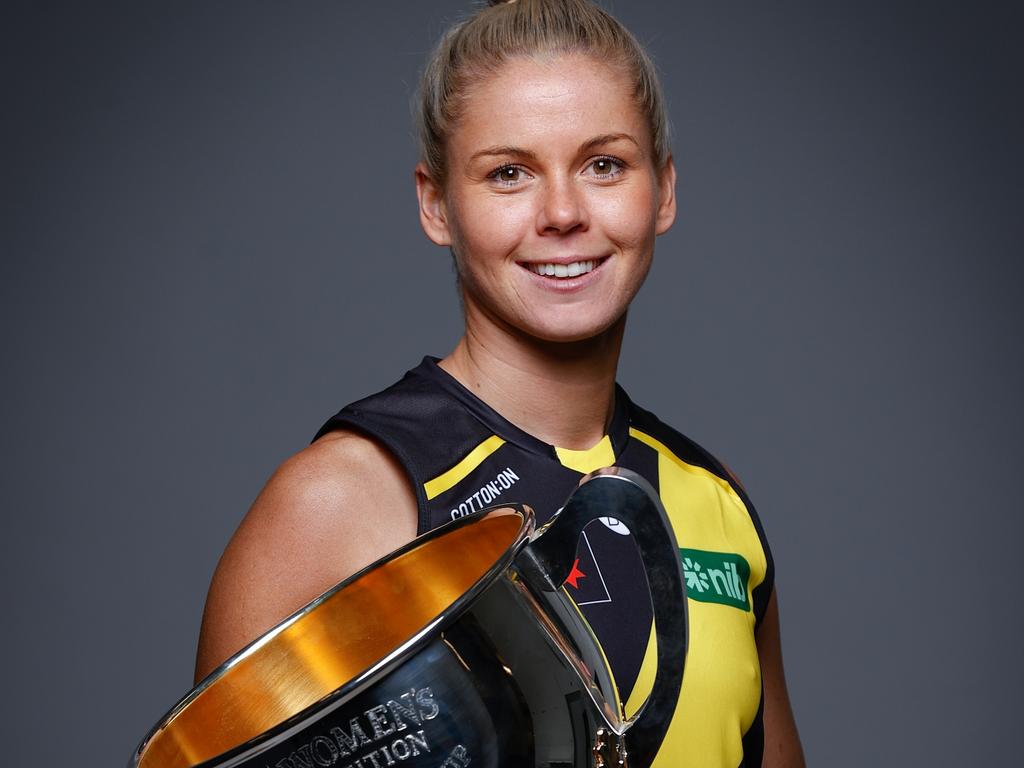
600, 456
722, 682
460, 471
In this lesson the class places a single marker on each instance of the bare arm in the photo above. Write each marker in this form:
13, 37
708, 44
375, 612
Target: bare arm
328, 511
781, 741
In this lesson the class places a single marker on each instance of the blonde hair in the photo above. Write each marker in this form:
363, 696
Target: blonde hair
478, 46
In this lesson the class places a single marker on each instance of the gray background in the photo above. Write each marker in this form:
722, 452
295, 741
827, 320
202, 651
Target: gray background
210, 244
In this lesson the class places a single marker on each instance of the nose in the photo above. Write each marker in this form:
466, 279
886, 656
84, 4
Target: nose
562, 208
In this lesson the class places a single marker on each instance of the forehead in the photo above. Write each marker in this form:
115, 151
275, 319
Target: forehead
547, 102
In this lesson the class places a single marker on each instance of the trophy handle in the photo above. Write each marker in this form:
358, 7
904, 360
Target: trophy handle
625, 496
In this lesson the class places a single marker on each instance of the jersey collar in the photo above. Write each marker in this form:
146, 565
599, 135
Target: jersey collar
604, 453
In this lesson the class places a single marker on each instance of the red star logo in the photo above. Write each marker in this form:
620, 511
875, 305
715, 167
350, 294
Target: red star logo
575, 575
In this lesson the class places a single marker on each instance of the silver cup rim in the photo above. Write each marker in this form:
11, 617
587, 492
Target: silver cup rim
372, 674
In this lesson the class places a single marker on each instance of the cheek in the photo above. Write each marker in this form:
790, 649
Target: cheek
486, 230
630, 219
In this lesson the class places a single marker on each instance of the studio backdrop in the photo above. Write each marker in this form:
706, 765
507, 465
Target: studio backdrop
210, 244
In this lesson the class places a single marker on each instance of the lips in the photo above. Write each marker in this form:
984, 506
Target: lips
563, 269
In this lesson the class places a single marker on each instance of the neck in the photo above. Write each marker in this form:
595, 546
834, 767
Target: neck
560, 392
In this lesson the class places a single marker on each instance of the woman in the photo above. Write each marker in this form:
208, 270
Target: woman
545, 169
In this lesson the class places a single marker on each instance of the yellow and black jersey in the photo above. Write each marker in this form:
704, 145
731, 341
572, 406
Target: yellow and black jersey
462, 456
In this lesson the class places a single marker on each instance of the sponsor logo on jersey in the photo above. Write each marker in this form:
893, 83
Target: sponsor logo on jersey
486, 494
716, 577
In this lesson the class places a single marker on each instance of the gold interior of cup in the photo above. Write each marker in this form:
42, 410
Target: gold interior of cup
334, 641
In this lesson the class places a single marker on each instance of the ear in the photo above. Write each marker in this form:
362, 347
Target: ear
666, 197
433, 213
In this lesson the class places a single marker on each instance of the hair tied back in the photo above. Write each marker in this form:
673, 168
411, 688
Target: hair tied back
476, 47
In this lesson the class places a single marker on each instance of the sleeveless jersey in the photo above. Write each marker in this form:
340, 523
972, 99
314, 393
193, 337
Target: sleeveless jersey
462, 456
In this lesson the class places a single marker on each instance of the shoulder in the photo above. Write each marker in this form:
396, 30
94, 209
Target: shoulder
673, 444
328, 511
338, 471
424, 420
332, 495
686, 452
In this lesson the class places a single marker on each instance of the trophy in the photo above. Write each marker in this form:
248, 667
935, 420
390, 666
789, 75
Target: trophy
459, 649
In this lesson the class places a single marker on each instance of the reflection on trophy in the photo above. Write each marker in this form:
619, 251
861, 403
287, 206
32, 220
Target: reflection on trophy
459, 649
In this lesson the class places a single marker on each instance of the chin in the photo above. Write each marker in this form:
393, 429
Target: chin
573, 333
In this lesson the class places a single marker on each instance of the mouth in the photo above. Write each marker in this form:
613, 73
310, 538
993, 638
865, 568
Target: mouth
563, 270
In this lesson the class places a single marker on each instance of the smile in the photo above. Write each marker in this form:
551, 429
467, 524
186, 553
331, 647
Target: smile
572, 269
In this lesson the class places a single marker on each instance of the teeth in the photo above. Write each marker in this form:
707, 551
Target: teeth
574, 269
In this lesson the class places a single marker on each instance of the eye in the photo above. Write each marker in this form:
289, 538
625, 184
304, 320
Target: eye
605, 167
508, 175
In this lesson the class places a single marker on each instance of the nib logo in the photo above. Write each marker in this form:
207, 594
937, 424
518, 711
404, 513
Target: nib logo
716, 577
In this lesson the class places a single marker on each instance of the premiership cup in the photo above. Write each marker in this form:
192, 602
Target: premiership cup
459, 649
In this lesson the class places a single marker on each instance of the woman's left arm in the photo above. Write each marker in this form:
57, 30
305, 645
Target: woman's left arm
781, 741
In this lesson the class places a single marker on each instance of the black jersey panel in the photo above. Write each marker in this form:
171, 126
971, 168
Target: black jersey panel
433, 430
609, 584
753, 739
642, 459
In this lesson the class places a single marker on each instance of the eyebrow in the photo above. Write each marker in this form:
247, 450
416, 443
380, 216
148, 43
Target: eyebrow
588, 145
503, 150
607, 138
